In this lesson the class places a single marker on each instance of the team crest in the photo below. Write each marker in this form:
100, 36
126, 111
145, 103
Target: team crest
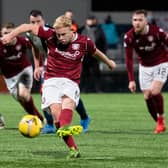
4, 51
137, 40
18, 47
150, 38
75, 46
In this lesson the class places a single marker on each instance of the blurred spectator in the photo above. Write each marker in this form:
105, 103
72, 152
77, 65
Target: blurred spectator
69, 14
91, 74
151, 19
110, 30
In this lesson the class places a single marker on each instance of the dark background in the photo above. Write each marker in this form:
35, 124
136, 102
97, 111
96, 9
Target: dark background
128, 5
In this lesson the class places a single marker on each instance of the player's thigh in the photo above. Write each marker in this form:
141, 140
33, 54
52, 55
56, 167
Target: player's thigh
156, 87
160, 77
72, 91
26, 78
145, 77
68, 103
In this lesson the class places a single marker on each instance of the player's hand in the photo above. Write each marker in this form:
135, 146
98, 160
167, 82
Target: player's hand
132, 86
37, 73
6, 39
112, 64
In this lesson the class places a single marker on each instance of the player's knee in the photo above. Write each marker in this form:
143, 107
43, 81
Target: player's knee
24, 94
155, 92
147, 95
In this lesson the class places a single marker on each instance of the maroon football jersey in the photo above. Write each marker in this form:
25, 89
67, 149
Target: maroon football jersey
65, 60
13, 58
151, 48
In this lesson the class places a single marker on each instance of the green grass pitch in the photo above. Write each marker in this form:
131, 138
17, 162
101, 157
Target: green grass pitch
120, 136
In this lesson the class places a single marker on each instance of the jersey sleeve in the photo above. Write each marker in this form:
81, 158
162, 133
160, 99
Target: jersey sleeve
45, 32
25, 41
163, 36
129, 57
91, 47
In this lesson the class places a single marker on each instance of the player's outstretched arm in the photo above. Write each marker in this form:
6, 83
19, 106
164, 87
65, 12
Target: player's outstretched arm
38, 69
100, 55
19, 30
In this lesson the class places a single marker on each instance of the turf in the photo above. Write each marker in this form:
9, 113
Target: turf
120, 136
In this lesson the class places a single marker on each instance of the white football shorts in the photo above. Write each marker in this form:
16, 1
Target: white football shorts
154, 73
55, 88
24, 78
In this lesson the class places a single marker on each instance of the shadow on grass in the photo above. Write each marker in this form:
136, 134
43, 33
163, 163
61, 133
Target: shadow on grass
51, 154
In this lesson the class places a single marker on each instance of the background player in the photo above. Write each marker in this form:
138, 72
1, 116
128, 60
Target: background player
150, 43
36, 17
17, 69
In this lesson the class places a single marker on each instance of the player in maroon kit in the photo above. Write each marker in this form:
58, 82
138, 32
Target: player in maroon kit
36, 17
149, 43
17, 70
61, 93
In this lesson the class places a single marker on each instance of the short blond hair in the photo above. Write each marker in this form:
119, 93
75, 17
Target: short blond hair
62, 21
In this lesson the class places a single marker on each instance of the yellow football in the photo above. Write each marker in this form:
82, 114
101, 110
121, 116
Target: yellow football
30, 126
